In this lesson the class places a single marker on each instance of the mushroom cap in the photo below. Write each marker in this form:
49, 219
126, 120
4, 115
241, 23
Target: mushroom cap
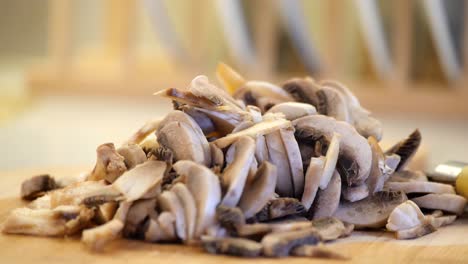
353, 147
333, 104
293, 110
303, 90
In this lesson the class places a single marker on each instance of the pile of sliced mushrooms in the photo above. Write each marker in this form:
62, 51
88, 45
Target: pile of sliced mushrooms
247, 168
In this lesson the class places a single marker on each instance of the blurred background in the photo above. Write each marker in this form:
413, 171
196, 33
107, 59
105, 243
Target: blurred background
78, 73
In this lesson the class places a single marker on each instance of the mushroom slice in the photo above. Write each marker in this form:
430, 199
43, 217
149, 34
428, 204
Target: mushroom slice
333, 104
217, 156
190, 210
278, 156
184, 142
279, 207
329, 228
201, 119
137, 213
76, 193
354, 161
331, 159
303, 90
420, 187
380, 169
258, 192
179, 116
235, 174
262, 128
317, 251
136, 183
133, 155
60, 221
327, 200
408, 176
109, 164
205, 188
441, 220
148, 128
153, 232
105, 212
261, 149
232, 246
258, 230
295, 161
166, 222
37, 186
43, 202
312, 181
355, 193
98, 237
421, 230
405, 216
406, 149
266, 89
230, 217
446, 202
293, 110
168, 201
377, 208
280, 244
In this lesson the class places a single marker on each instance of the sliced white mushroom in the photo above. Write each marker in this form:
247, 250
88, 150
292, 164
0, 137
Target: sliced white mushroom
446, 202
166, 223
135, 183
420, 187
190, 210
109, 164
441, 220
406, 149
312, 181
75, 193
261, 149
329, 228
295, 161
258, 192
168, 201
331, 159
332, 103
205, 188
293, 110
281, 243
405, 216
137, 213
381, 169
98, 237
133, 155
303, 90
148, 128
418, 231
217, 156
328, 199
279, 157
355, 193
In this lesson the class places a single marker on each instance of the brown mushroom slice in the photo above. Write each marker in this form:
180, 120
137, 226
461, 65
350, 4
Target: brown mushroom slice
257, 193
317, 251
327, 200
190, 210
258, 230
415, 232
179, 116
137, 213
168, 201
405, 216
355, 193
60, 221
37, 186
184, 142
303, 90
329, 228
232, 246
446, 202
406, 149
280, 244
235, 174
408, 176
133, 155
293, 110
230, 218
148, 128
331, 159
262, 128
333, 104
377, 208
278, 156
293, 154
136, 183
380, 169
279, 207
420, 187
76, 193
312, 181
354, 161
205, 188
109, 164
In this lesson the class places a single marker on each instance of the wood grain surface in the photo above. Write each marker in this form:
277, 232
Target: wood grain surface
447, 245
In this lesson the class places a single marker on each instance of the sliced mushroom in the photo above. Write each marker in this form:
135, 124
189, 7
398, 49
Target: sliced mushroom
106, 211
232, 246
133, 155
60, 221
279, 207
420, 187
380, 169
355, 193
168, 201
327, 200
149, 144
153, 232
293, 110
43, 202
354, 162
262, 94
261, 149
76, 193
278, 156
217, 156
258, 192
230, 218
205, 188
331, 159
303, 90
109, 164
405, 216
333, 104
37, 186
136, 183
203, 121
235, 174
441, 220
148, 128
137, 213
166, 222
421, 230
258, 230
190, 211
408, 176
280, 244
317, 251
295, 161
406, 149
312, 180
98, 237
329, 228
371, 212
446, 202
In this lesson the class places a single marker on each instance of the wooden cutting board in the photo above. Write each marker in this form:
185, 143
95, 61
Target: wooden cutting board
448, 245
